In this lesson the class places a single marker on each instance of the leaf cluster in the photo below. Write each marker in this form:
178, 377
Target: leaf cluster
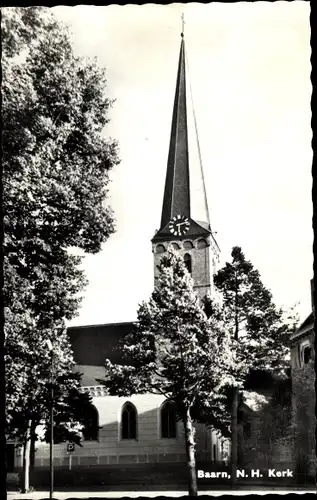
56, 163
176, 350
263, 329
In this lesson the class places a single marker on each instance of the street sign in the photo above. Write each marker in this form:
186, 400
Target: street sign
70, 447
70, 451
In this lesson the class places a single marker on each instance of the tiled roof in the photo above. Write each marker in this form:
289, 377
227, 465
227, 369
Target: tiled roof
92, 344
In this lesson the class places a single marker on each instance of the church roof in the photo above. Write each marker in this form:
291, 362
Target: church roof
92, 344
305, 327
185, 192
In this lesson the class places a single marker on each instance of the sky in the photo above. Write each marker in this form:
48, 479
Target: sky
249, 66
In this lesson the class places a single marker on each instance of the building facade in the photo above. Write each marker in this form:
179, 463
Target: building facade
304, 396
277, 428
142, 431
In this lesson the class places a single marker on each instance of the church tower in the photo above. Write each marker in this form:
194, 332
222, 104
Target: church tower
185, 224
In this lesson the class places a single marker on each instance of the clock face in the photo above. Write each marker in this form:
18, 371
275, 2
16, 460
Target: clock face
179, 225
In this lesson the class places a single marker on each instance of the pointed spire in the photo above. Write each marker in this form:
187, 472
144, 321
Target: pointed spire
183, 25
185, 192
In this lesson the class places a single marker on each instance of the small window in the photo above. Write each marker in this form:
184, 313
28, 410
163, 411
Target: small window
306, 354
188, 262
175, 246
188, 245
160, 249
91, 429
128, 422
168, 421
202, 243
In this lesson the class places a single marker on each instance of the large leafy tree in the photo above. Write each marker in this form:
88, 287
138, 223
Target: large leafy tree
175, 351
256, 325
56, 164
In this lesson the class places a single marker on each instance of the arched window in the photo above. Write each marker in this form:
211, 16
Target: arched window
91, 429
188, 262
128, 422
202, 243
307, 354
175, 246
188, 245
168, 420
160, 248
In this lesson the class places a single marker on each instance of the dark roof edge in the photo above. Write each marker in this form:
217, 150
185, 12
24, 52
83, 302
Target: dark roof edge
103, 324
307, 321
305, 326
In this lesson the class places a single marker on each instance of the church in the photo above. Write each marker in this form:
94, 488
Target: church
137, 440
142, 431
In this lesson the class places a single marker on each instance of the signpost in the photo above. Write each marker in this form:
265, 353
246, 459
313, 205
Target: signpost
70, 451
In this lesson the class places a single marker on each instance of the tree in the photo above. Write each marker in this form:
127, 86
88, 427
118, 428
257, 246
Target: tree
260, 330
56, 165
171, 352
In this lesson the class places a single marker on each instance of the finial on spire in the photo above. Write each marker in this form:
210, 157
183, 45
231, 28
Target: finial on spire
183, 24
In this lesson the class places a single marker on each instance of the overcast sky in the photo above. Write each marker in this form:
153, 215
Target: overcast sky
249, 67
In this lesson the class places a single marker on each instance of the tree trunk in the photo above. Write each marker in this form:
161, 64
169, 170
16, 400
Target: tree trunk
234, 436
26, 459
32, 445
190, 451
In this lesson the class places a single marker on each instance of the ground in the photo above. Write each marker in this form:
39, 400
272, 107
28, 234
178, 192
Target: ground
63, 495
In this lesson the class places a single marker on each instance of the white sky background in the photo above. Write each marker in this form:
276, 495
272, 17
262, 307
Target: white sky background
250, 73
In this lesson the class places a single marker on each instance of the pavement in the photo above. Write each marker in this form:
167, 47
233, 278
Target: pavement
63, 495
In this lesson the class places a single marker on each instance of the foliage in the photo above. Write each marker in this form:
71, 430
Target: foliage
172, 344
56, 166
248, 309
259, 335
176, 351
71, 406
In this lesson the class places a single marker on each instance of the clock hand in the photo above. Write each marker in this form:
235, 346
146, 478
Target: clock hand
181, 224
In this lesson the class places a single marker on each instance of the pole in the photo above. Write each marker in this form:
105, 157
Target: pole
52, 432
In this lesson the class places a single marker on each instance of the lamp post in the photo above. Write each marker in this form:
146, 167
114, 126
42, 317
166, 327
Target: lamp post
50, 348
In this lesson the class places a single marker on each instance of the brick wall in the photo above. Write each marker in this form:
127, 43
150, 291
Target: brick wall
283, 431
269, 441
304, 399
303, 403
200, 263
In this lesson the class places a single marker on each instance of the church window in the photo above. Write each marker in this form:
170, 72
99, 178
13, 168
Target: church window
168, 420
202, 243
160, 248
129, 422
91, 428
188, 262
306, 354
175, 246
188, 245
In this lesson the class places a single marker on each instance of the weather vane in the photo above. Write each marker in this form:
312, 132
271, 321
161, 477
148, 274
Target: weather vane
183, 23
